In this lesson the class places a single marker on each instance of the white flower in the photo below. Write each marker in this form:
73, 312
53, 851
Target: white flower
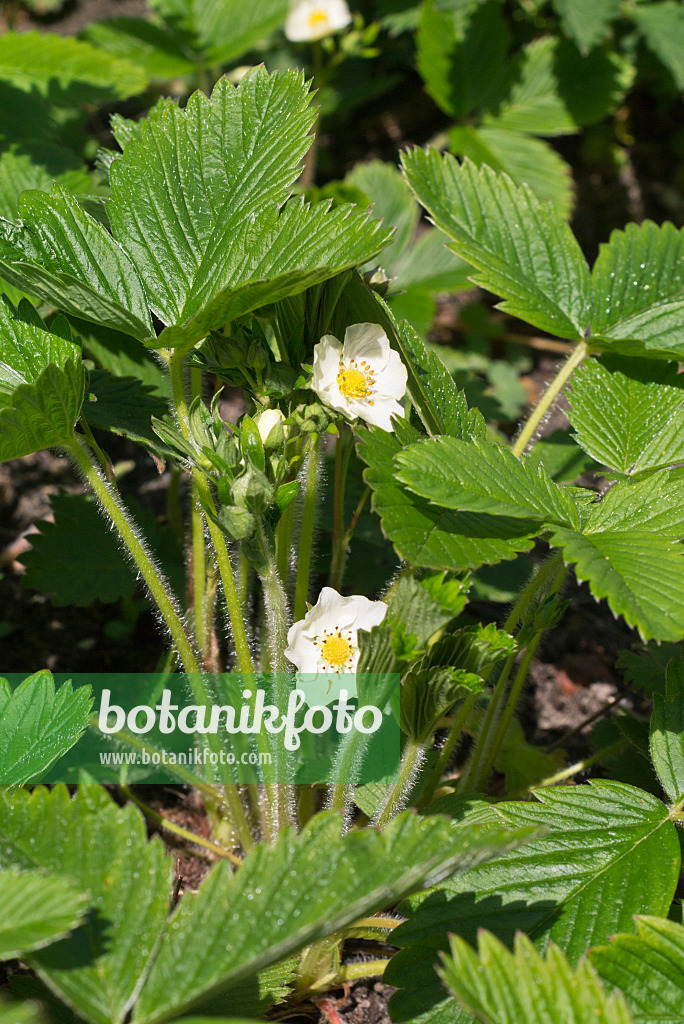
325, 640
314, 19
270, 422
363, 378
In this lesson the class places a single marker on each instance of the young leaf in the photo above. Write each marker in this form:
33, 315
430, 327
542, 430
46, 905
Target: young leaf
667, 732
609, 851
647, 967
501, 987
430, 536
426, 696
45, 62
37, 909
38, 725
360, 872
629, 413
64, 256
586, 21
522, 249
662, 25
96, 970
478, 476
640, 574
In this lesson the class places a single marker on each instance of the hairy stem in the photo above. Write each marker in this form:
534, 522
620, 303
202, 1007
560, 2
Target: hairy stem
581, 766
113, 506
452, 739
411, 760
549, 397
307, 531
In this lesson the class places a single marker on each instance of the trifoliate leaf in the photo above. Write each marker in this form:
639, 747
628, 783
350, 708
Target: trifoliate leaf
648, 968
639, 288
426, 535
629, 413
501, 987
97, 970
586, 21
37, 909
610, 851
478, 476
500, 229
362, 871
38, 725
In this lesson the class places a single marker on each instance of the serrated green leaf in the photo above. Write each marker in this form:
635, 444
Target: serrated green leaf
501, 987
640, 574
38, 725
478, 476
26, 351
644, 665
97, 970
65, 257
392, 201
557, 90
426, 696
662, 25
42, 414
360, 872
154, 48
270, 257
429, 536
648, 968
528, 161
422, 615
653, 505
430, 266
455, 39
639, 288
586, 21
189, 177
667, 732
610, 851
561, 456
18, 172
37, 909
37, 60
629, 414
522, 250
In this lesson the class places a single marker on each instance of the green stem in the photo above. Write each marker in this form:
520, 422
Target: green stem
218, 540
102, 458
340, 542
199, 562
549, 397
307, 531
452, 739
178, 830
113, 506
580, 766
284, 542
411, 760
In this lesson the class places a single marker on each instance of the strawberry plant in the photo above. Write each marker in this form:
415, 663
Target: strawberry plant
464, 862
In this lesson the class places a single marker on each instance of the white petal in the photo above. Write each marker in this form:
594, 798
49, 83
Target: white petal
326, 363
369, 342
331, 611
314, 19
391, 382
369, 613
379, 414
300, 650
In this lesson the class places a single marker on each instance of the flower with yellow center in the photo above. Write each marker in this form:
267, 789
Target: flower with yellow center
313, 19
363, 378
326, 639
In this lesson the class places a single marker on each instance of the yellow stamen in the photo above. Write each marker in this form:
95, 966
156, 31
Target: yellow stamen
318, 17
354, 381
336, 650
